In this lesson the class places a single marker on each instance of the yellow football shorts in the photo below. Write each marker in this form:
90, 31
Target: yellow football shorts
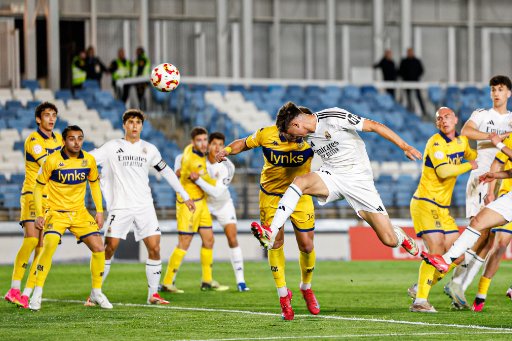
303, 218
430, 218
28, 208
80, 223
190, 223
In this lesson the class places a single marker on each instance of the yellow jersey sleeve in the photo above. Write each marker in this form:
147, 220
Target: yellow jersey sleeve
469, 153
502, 157
46, 172
436, 153
93, 174
254, 140
35, 151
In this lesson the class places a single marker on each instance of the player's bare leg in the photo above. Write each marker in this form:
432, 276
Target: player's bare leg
484, 220
236, 256
389, 235
492, 264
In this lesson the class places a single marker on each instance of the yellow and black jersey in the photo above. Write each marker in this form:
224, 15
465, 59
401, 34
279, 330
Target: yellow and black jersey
283, 160
440, 150
506, 184
66, 180
193, 161
37, 147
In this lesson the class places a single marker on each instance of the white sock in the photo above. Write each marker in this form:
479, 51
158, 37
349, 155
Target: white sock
27, 291
95, 291
15, 284
399, 235
305, 286
461, 271
285, 207
465, 241
38, 291
107, 269
472, 270
282, 291
420, 300
153, 272
237, 261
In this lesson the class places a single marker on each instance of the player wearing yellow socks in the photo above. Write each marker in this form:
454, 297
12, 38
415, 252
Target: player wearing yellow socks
284, 160
442, 163
193, 167
38, 146
65, 175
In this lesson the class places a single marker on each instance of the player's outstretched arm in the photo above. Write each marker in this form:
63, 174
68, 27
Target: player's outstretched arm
233, 148
471, 131
496, 166
488, 177
447, 170
381, 129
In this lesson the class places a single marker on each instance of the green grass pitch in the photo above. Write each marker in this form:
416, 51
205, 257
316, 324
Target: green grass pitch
358, 300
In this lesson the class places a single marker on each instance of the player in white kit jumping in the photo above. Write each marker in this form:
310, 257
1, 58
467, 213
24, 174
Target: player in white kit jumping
220, 202
125, 185
480, 125
346, 172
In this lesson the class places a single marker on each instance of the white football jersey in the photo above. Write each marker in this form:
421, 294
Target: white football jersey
339, 145
125, 170
223, 172
489, 121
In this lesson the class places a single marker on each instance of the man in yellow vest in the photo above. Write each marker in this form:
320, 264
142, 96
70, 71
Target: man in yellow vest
78, 73
141, 67
120, 68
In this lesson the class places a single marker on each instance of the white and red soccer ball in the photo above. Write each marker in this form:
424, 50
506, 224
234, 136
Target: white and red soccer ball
165, 77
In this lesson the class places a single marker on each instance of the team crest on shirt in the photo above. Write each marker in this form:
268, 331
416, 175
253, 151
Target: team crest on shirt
144, 150
84, 163
459, 141
37, 149
275, 143
327, 135
439, 155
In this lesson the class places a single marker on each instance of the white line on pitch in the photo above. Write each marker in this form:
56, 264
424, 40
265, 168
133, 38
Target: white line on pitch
327, 317
295, 337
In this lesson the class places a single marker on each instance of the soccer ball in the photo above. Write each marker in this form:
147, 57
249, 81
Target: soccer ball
165, 77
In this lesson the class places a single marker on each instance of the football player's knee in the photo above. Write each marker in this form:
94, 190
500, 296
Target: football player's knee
306, 246
300, 181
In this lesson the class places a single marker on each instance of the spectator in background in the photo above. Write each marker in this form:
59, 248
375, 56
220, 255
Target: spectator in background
78, 72
389, 71
141, 67
93, 66
411, 70
120, 68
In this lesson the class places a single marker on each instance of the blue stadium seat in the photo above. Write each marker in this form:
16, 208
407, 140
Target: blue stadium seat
63, 94
13, 104
91, 84
31, 84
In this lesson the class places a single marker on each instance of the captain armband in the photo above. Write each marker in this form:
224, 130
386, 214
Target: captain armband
160, 166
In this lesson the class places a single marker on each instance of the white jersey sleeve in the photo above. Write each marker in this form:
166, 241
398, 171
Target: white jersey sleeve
477, 117
177, 162
101, 154
341, 119
229, 172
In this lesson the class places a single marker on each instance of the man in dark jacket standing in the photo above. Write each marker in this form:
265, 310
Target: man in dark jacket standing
93, 66
411, 70
389, 71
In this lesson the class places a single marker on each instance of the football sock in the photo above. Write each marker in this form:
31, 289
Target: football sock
425, 279
483, 287
237, 262
153, 272
460, 273
108, 262
439, 276
51, 241
307, 266
465, 241
97, 268
38, 291
21, 260
286, 207
173, 266
399, 235
276, 260
206, 264
31, 279
282, 291
472, 270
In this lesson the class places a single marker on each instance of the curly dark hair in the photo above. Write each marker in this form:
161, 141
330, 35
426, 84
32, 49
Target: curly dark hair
500, 79
287, 113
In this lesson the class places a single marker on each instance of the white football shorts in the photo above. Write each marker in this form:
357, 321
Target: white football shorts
142, 219
225, 214
361, 194
475, 194
503, 206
